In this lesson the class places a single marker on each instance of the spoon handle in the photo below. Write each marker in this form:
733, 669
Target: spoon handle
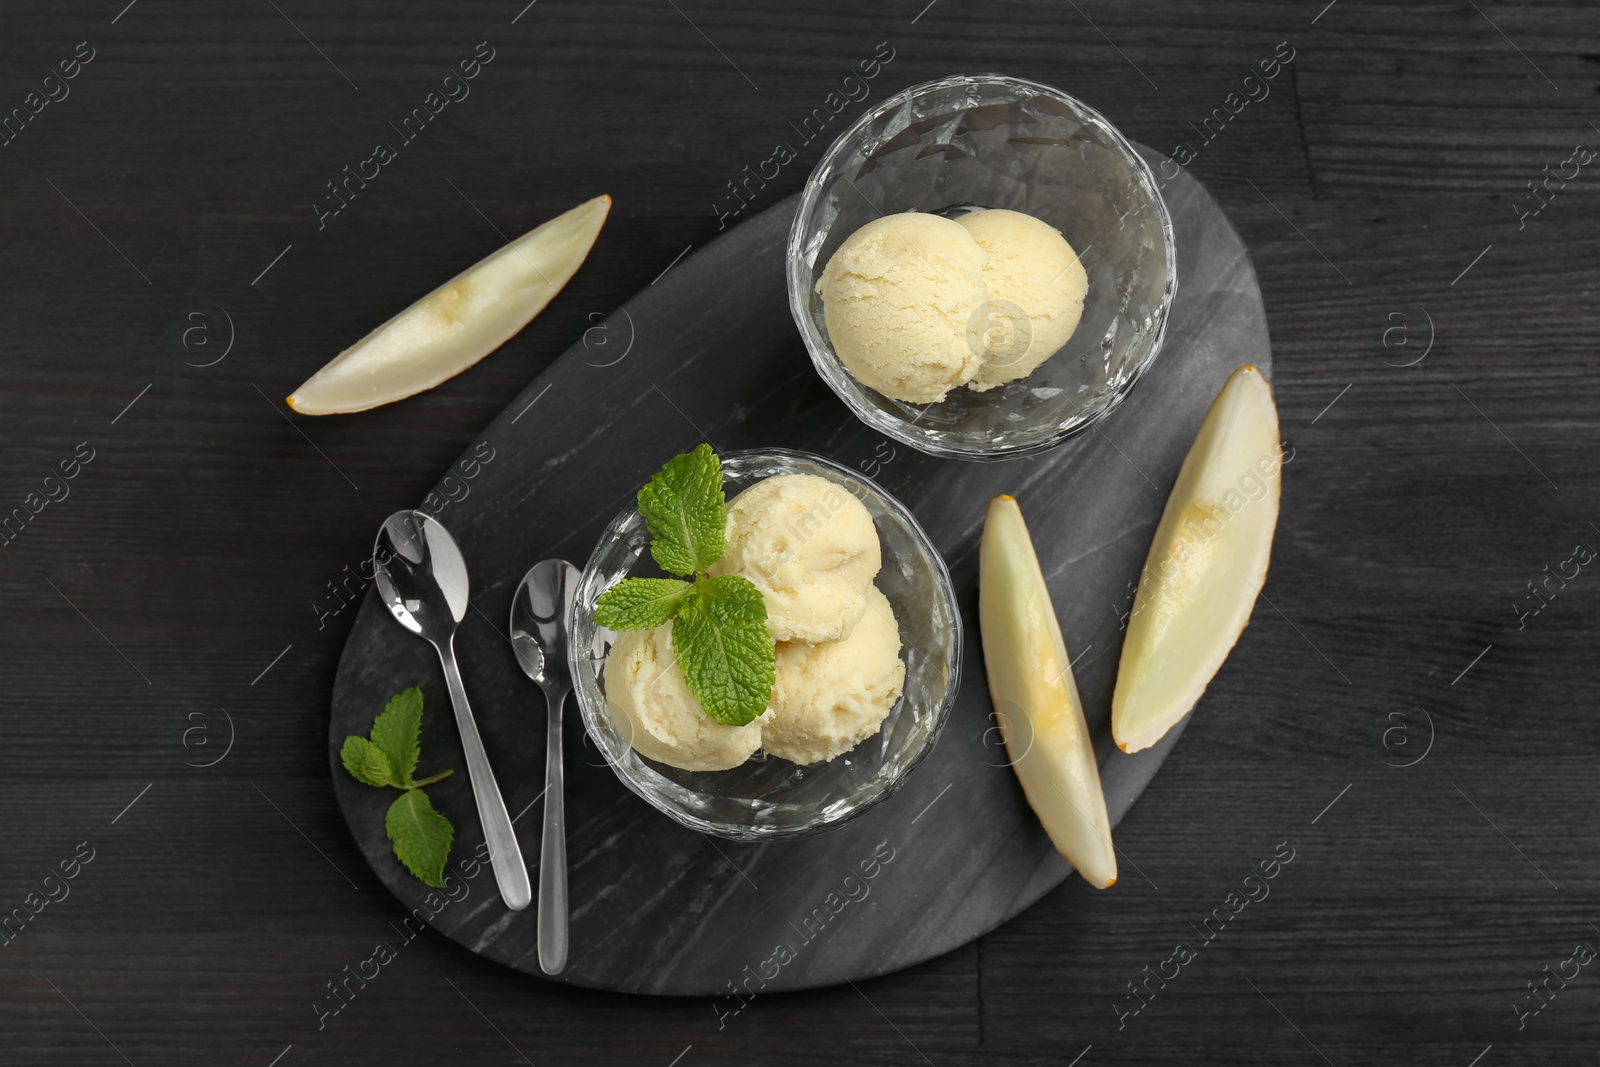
510, 872
553, 850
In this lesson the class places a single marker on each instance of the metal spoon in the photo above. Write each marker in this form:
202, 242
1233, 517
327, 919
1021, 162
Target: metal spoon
422, 579
539, 612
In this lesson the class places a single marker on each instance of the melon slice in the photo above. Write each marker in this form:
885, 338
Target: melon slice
458, 323
1206, 564
1036, 699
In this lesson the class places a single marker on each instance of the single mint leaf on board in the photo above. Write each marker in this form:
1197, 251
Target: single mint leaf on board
421, 836
639, 603
683, 507
366, 761
720, 638
398, 733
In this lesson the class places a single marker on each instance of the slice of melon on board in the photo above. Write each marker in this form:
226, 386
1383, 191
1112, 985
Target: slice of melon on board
1207, 563
1036, 699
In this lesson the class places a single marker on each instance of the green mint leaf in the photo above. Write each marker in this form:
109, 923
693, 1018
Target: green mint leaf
366, 761
684, 509
639, 603
398, 733
421, 836
720, 638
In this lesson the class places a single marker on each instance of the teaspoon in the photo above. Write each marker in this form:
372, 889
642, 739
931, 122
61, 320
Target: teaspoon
539, 613
422, 580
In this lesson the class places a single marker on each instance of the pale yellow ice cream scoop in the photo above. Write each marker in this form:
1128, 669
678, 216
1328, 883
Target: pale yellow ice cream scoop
812, 550
897, 297
830, 697
1036, 287
655, 712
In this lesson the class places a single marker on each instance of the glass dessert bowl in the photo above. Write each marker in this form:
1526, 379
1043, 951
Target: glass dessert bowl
768, 797
970, 142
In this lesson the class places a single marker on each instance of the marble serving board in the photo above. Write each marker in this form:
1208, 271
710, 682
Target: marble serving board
709, 352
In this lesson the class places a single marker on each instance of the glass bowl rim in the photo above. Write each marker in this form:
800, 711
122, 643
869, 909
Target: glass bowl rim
831, 368
577, 661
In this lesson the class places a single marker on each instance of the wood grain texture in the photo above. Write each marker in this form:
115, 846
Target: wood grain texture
206, 528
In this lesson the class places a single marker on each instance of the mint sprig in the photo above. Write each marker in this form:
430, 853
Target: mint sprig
388, 757
719, 625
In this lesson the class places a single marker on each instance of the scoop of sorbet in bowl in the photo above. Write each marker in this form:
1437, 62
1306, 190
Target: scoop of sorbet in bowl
898, 295
1036, 286
810, 547
659, 717
830, 697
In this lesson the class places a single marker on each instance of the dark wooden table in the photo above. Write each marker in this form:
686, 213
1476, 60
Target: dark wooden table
1397, 717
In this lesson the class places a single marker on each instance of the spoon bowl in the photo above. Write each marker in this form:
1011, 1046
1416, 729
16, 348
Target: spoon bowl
539, 612
420, 574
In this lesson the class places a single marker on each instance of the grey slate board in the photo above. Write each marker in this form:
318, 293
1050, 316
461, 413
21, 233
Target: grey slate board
708, 351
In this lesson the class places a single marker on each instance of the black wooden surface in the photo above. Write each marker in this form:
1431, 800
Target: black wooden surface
191, 554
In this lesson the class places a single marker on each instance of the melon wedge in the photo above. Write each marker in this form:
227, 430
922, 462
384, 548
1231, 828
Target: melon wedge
1036, 699
458, 323
1206, 565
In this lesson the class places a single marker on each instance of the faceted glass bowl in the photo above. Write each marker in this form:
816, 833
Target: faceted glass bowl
769, 797
989, 141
